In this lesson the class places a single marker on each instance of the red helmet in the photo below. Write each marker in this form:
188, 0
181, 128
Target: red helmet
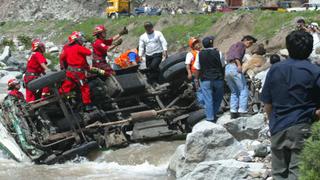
192, 41
74, 36
36, 44
99, 29
12, 83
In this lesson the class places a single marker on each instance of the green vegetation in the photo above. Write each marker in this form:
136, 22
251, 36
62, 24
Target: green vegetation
25, 40
268, 23
177, 29
54, 58
7, 42
310, 157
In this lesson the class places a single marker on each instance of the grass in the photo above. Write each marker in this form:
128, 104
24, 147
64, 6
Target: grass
269, 23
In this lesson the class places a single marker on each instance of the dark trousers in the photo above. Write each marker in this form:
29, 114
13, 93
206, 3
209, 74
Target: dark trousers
286, 146
152, 63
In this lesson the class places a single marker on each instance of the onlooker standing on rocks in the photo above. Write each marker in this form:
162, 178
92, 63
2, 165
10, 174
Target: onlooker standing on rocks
209, 69
235, 78
291, 97
152, 44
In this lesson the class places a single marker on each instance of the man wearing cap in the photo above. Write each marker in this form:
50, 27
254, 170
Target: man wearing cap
235, 78
209, 75
153, 45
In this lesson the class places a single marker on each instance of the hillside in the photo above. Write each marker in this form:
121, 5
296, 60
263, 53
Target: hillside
269, 27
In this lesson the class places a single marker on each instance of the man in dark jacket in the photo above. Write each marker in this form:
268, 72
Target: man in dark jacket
291, 97
209, 70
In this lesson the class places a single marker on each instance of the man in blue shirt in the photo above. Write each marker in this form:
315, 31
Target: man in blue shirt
291, 97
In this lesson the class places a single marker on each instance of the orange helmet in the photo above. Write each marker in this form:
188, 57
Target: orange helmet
12, 83
36, 44
99, 29
192, 41
74, 36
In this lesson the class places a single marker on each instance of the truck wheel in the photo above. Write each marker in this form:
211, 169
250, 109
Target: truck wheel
172, 60
194, 118
47, 80
177, 71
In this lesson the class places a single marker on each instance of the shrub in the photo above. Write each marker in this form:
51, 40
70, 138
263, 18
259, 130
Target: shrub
310, 157
25, 40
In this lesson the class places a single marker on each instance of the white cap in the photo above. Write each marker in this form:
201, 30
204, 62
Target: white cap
315, 24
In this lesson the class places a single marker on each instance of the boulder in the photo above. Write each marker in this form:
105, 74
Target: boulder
54, 49
5, 54
244, 127
226, 169
207, 142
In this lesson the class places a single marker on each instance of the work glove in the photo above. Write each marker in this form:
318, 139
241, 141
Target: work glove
123, 31
118, 43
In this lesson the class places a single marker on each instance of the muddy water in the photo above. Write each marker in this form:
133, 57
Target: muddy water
138, 162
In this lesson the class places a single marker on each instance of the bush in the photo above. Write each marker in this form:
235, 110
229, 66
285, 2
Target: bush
7, 42
310, 157
25, 40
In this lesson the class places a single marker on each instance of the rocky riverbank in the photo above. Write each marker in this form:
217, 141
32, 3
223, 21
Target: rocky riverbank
233, 149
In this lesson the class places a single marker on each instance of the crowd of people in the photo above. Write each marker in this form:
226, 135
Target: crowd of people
290, 92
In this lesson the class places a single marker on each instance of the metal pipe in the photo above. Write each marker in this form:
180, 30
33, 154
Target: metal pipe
126, 109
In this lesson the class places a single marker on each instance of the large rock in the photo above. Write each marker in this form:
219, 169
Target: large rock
244, 127
226, 169
207, 142
5, 54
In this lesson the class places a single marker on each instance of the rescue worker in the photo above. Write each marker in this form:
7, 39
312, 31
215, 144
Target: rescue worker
195, 47
36, 66
75, 55
14, 87
102, 45
126, 60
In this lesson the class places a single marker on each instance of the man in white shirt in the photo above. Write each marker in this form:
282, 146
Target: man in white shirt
153, 45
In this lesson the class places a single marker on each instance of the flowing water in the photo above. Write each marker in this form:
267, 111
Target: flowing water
136, 162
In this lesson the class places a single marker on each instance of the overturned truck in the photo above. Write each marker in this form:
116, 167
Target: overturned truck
129, 109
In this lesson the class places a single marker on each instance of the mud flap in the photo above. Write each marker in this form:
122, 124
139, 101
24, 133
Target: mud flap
151, 130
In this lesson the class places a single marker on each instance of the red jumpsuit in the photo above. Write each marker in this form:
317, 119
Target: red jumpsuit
75, 57
16, 93
34, 70
100, 48
63, 60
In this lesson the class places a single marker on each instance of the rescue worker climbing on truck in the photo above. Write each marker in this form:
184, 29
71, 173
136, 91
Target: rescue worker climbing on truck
14, 87
102, 45
36, 66
128, 59
77, 67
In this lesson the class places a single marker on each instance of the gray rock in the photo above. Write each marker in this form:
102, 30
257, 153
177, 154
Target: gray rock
207, 142
54, 49
261, 150
250, 145
244, 127
5, 54
226, 169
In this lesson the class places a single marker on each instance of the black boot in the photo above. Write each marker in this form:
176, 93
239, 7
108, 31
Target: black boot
234, 115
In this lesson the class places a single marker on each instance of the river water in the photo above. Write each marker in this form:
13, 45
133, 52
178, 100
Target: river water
136, 162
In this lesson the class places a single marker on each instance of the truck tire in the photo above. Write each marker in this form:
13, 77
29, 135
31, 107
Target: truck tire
177, 71
194, 118
46, 80
172, 60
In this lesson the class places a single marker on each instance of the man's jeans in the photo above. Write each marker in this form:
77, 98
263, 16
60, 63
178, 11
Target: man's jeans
212, 93
239, 89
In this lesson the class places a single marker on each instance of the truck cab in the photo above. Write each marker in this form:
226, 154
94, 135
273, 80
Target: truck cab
116, 7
